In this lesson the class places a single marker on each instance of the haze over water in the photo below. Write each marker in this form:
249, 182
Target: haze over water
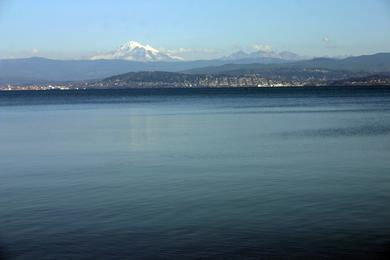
173, 174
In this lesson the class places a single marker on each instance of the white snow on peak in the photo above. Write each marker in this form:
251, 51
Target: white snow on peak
135, 51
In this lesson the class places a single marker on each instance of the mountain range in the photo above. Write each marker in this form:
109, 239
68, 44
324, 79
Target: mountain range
267, 56
135, 51
379, 62
135, 57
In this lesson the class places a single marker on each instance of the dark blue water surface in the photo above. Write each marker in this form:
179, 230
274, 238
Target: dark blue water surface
190, 174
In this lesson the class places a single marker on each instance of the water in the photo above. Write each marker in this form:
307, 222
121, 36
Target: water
215, 174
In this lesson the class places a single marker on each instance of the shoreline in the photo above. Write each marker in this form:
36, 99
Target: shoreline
195, 88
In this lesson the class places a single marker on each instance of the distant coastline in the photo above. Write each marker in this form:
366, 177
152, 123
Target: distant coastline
212, 89
165, 80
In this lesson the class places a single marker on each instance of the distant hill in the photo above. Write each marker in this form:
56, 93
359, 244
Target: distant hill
30, 70
151, 76
163, 79
379, 62
147, 79
41, 69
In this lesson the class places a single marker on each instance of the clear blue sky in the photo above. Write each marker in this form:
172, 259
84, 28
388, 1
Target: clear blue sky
79, 27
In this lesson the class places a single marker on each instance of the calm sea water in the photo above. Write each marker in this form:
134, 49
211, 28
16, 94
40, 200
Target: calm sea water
184, 174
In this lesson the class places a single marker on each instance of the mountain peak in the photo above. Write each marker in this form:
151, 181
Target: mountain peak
131, 45
135, 51
238, 55
263, 54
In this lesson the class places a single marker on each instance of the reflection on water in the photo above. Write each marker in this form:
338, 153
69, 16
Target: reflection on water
142, 135
197, 174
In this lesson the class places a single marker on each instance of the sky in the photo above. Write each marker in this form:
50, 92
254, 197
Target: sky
74, 29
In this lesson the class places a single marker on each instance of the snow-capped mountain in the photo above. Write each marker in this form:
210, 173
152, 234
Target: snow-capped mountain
258, 55
135, 51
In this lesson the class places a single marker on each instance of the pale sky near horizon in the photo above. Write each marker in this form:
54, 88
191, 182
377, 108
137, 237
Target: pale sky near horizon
193, 28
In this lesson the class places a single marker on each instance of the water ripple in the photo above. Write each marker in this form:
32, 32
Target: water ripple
364, 130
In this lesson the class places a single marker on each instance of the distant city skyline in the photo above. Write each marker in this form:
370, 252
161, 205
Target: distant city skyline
193, 29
